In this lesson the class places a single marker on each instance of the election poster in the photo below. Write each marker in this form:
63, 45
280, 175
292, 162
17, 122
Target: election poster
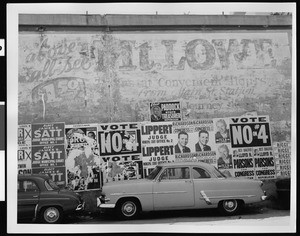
264, 163
157, 144
82, 160
24, 160
57, 174
243, 163
120, 151
248, 135
47, 134
282, 155
165, 111
24, 135
222, 134
250, 131
194, 141
224, 159
48, 156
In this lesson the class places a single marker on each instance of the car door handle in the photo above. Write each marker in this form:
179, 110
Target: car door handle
35, 196
188, 181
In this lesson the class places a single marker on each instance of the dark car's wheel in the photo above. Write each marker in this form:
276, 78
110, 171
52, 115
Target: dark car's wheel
230, 206
51, 215
128, 209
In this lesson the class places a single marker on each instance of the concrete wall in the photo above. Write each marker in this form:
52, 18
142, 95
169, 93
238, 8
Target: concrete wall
109, 76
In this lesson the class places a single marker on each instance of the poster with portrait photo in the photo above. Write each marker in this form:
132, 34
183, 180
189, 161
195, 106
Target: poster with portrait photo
165, 111
192, 141
222, 134
224, 159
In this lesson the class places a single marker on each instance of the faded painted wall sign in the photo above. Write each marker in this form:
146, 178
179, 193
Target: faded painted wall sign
85, 78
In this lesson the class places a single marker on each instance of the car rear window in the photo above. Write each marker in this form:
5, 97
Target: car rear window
199, 173
50, 185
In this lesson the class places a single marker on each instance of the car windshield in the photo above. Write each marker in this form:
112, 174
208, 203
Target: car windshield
50, 185
154, 173
218, 173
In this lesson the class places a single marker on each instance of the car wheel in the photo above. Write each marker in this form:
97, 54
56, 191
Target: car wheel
128, 209
51, 215
230, 206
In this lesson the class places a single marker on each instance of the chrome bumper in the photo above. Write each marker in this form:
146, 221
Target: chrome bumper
104, 205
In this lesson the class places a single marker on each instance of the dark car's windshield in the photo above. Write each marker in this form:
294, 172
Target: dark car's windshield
50, 185
154, 173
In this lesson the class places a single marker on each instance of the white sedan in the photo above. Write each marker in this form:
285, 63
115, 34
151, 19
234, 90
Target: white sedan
181, 185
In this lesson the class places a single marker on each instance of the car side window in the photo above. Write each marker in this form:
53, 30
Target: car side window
175, 173
199, 173
30, 186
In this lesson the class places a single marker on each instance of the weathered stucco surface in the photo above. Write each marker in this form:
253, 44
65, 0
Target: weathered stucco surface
83, 77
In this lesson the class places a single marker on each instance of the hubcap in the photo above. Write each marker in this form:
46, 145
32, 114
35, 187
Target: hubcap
230, 205
128, 209
51, 215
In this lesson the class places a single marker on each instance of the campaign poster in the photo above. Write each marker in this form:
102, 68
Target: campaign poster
24, 135
48, 156
24, 160
165, 111
157, 144
57, 174
282, 155
194, 141
82, 161
250, 131
120, 151
243, 162
264, 163
222, 134
48, 134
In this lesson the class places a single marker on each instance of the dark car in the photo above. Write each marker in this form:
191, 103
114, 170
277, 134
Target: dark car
283, 187
40, 199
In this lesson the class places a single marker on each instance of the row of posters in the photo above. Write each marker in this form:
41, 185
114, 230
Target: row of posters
84, 155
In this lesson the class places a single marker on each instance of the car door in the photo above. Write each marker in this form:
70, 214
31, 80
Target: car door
174, 189
207, 188
28, 198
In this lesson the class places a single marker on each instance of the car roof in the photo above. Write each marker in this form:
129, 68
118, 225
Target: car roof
187, 163
35, 176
